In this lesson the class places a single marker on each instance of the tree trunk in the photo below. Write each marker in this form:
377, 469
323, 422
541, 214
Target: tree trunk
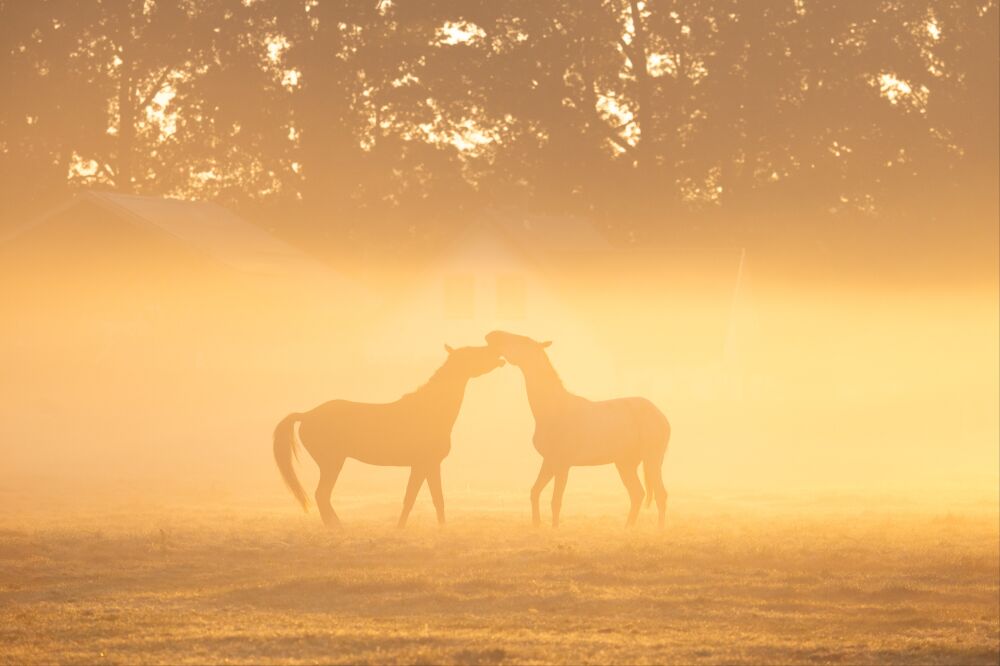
643, 96
126, 104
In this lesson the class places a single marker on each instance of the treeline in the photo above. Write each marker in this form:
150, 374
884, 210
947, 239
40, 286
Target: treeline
401, 116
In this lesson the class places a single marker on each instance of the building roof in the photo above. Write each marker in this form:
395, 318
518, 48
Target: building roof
208, 228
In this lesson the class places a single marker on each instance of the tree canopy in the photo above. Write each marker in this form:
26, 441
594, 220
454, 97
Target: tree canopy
401, 116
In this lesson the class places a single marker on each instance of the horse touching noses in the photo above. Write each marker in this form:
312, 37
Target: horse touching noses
516, 348
414, 432
476, 361
573, 431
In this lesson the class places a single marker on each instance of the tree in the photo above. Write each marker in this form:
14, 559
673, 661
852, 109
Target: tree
398, 120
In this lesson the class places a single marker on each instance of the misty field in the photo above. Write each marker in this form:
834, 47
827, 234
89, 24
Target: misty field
725, 583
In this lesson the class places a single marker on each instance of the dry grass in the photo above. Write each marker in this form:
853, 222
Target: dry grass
265, 586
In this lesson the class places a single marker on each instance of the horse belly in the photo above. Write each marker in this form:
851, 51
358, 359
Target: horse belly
597, 451
403, 453
572, 447
384, 456
599, 437
372, 434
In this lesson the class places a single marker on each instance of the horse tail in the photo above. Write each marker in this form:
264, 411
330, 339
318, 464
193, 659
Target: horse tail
652, 464
284, 449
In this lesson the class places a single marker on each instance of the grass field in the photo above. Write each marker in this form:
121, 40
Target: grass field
726, 583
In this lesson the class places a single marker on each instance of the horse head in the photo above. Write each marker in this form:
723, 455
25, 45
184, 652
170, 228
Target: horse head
474, 361
518, 349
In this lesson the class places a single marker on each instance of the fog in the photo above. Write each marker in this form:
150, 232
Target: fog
774, 223
166, 382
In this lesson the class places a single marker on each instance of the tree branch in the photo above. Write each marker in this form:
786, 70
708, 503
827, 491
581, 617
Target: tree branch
628, 50
595, 116
155, 89
590, 104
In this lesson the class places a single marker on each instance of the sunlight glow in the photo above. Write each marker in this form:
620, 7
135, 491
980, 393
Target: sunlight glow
231, 230
933, 30
838, 149
206, 175
898, 91
466, 136
157, 114
704, 191
81, 168
660, 64
893, 88
276, 47
459, 32
290, 78
618, 114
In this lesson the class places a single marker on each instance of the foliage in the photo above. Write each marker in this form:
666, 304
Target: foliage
401, 117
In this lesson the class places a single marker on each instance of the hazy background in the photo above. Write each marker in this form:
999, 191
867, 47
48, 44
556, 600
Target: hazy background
864, 389
798, 201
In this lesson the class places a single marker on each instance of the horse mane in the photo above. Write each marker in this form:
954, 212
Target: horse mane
438, 374
546, 363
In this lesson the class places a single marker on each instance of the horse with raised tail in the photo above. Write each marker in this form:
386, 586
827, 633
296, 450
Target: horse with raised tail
414, 432
571, 431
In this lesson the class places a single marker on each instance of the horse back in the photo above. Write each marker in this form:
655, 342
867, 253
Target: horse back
599, 432
653, 424
395, 433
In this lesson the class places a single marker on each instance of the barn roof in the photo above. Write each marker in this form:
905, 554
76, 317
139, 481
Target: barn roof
208, 228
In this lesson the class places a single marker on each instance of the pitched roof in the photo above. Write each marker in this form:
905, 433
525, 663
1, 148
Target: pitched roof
208, 228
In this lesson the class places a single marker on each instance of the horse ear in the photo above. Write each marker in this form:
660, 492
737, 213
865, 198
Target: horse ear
448, 348
545, 344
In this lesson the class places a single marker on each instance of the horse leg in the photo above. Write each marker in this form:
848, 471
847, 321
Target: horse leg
661, 498
327, 479
544, 476
417, 475
434, 484
557, 494
653, 469
630, 477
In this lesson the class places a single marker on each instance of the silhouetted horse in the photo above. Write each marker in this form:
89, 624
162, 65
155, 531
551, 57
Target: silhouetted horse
570, 430
414, 431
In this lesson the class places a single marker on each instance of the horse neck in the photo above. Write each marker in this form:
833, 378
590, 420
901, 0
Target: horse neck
444, 391
545, 389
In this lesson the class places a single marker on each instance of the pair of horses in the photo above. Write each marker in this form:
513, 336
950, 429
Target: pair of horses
415, 432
